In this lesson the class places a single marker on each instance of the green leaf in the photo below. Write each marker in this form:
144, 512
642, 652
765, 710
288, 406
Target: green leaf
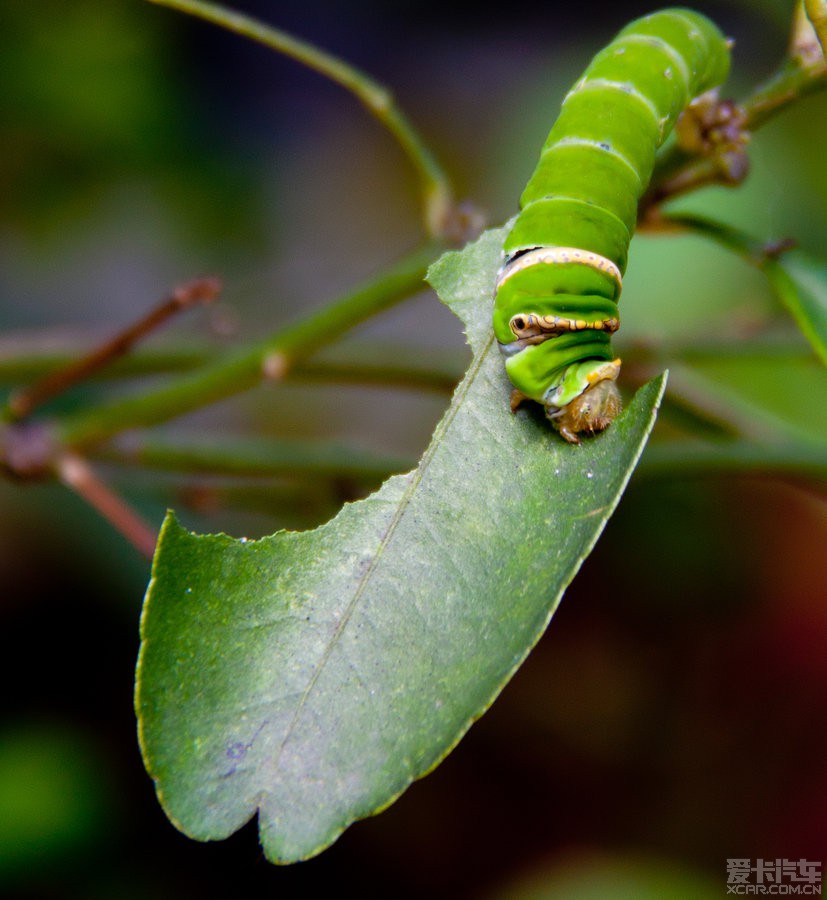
774, 402
800, 281
312, 676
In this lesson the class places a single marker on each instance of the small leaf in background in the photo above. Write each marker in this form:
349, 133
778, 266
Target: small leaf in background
312, 676
800, 280
783, 401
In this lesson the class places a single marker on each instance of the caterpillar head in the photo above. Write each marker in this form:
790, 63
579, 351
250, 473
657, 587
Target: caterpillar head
594, 408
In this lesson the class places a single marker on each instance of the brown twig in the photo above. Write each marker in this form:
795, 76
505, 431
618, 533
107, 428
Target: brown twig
710, 149
76, 473
24, 401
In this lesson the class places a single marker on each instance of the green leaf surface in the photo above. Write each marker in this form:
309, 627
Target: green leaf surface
310, 677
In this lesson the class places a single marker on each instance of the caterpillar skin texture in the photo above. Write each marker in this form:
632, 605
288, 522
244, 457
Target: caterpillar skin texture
555, 306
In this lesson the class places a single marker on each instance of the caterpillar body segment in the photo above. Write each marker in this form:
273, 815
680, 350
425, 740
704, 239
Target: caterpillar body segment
556, 295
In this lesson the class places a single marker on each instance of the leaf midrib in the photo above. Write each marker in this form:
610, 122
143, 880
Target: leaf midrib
402, 505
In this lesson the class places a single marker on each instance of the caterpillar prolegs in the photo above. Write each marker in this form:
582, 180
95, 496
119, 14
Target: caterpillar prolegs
555, 307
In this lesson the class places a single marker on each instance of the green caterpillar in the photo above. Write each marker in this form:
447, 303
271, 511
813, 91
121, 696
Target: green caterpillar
555, 307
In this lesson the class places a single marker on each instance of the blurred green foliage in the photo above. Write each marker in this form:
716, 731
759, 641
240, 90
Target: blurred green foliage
54, 798
94, 101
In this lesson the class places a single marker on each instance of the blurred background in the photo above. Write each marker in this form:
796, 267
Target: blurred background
671, 718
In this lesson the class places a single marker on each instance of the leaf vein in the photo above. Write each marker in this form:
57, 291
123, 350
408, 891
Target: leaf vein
384, 540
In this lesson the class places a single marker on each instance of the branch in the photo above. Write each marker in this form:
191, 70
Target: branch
272, 358
664, 460
803, 71
25, 401
76, 473
26, 357
255, 457
442, 216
